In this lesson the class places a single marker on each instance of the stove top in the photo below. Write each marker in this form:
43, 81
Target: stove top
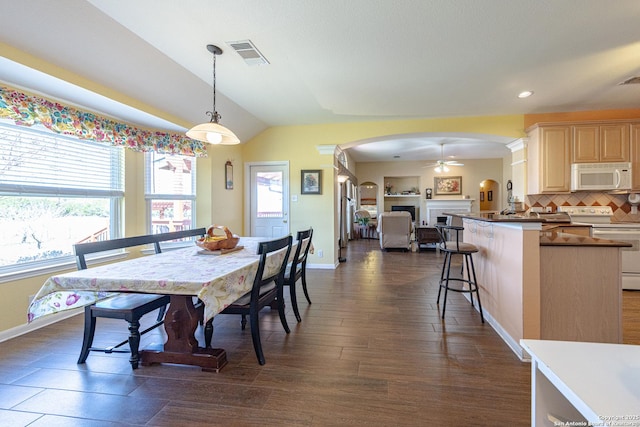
588, 214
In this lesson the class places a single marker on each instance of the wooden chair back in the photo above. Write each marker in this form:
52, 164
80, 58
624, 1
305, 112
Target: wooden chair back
82, 249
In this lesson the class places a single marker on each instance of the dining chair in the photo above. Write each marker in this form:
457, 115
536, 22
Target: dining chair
266, 291
297, 269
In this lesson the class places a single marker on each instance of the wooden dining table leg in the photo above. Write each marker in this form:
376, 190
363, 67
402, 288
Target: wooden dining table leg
181, 347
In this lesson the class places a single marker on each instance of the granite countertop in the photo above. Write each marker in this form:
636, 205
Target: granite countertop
494, 217
548, 237
550, 226
552, 238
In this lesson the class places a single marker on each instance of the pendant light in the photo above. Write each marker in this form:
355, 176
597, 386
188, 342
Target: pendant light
213, 132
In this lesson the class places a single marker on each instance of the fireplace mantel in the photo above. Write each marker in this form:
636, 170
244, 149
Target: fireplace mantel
436, 207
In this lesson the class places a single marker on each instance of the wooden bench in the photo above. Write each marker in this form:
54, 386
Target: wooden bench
127, 306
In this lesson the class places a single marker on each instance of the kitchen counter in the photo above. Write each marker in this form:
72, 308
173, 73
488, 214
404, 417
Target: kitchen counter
538, 280
560, 225
552, 238
493, 217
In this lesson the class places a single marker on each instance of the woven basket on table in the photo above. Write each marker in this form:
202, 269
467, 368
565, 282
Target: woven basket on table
229, 242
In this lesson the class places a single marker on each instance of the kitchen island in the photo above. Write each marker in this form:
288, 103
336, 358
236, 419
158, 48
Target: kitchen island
537, 284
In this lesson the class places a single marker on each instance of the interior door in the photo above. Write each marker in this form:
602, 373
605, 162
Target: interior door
269, 199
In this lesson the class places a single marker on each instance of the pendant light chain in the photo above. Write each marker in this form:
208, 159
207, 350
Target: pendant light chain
213, 132
215, 116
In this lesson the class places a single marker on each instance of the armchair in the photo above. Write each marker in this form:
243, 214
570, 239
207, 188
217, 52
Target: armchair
394, 229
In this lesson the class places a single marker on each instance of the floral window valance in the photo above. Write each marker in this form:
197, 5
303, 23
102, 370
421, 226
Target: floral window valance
28, 110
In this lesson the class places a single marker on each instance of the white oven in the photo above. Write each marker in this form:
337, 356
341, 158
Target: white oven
599, 217
630, 256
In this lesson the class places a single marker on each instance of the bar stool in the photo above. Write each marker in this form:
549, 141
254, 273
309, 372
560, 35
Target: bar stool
452, 247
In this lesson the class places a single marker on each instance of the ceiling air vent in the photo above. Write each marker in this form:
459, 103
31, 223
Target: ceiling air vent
247, 50
631, 81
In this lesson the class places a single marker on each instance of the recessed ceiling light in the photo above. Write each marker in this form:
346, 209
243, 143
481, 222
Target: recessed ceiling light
525, 94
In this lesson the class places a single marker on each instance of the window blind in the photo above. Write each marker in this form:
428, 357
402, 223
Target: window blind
34, 162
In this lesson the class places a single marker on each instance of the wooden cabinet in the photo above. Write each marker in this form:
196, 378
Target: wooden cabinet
635, 156
426, 236
614, 143
549, 159
604, 143
554, 146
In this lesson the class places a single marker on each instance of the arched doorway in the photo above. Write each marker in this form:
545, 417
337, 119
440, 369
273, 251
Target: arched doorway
489, 196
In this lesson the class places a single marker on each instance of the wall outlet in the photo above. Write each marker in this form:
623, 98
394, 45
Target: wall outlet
320, 253
547, 209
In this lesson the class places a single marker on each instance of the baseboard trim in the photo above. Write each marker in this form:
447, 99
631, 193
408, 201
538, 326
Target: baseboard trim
38, 323
511, 343
322, 266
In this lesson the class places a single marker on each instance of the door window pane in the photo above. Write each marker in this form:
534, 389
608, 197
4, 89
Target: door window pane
269, 195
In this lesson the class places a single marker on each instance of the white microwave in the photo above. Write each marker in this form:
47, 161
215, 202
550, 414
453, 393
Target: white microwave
600, 176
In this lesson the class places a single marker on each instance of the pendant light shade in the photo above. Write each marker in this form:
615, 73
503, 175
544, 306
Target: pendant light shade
213, 132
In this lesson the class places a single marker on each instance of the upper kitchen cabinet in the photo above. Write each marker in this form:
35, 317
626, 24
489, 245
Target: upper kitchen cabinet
601, 143
549, 159
635, 156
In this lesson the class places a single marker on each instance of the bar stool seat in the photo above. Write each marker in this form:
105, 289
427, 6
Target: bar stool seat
451, 247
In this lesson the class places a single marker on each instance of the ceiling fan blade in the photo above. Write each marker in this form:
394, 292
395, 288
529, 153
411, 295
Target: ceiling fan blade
454, 163
432, 165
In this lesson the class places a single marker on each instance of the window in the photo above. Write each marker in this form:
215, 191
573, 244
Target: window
55, 190
170, 192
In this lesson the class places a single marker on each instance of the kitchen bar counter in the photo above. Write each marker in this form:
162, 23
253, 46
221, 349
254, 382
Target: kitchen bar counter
494, 217
551, 285
552, 238
549, 235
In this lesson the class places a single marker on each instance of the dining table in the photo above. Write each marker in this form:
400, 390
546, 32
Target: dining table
216, 279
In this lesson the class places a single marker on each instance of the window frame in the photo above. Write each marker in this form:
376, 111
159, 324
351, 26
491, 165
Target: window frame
115, 197
150, 196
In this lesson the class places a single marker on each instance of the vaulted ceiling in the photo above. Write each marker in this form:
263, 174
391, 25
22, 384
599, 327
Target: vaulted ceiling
331, 61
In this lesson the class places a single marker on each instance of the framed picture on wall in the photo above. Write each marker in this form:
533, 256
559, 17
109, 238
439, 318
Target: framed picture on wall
482, 196
311, 181
490, 196
448, 185
228, 175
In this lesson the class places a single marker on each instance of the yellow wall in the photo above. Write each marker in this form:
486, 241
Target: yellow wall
216, 204
297, 144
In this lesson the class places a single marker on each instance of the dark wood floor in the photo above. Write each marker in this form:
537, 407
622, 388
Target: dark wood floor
371, 350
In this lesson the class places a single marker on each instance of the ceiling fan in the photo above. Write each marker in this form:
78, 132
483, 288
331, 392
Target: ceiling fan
442, 165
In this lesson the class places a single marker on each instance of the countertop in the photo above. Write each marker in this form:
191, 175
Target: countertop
550, 226
548, 237
493, 217
552, 238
